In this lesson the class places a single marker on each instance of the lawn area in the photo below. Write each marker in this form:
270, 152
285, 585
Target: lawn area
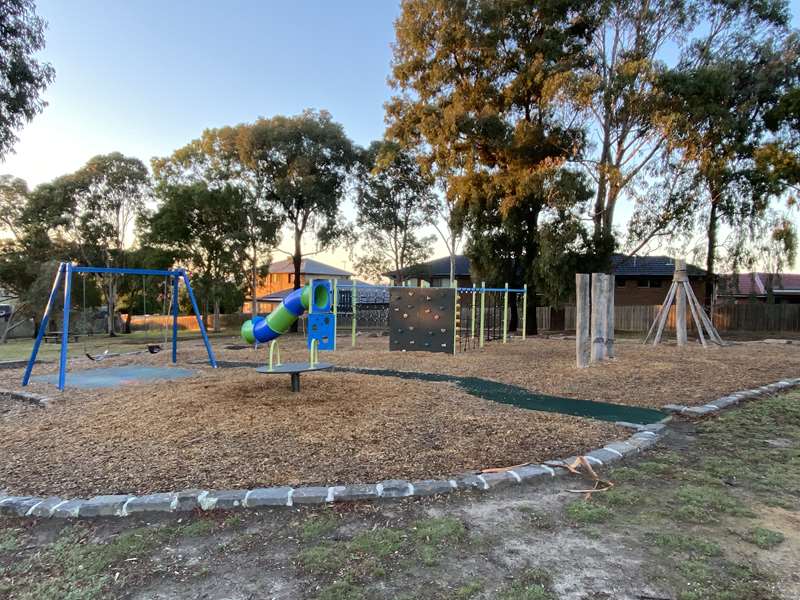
711, 513
19, 349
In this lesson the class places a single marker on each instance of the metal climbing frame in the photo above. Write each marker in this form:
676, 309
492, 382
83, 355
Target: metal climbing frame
65, 272
482, 315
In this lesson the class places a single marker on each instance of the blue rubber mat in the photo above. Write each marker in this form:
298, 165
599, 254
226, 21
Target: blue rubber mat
116, 376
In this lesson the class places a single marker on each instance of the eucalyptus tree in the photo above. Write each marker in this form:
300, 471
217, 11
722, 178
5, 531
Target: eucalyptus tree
304, 163
23, 77
394, 202
480, 86
220, 158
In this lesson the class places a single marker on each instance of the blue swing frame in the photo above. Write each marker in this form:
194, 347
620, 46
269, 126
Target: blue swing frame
66, 270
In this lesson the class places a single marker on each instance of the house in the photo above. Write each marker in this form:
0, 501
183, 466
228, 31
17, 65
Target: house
645, 280
740, 288
368, 296
436, 273
280, 278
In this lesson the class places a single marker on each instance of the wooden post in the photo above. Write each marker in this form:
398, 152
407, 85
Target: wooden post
582, 300
610, 291
483, 313
680, 301
599, 313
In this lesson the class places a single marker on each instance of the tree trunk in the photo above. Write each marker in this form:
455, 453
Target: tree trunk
452, 260
111, 305
128, 320
711, 250
216, 316
297, 259
9, 321
254, 283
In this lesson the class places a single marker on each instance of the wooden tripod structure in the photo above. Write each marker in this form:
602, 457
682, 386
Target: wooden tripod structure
681, 293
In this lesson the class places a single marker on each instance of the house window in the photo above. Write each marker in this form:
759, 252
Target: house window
648, 283
621, 283
655, 283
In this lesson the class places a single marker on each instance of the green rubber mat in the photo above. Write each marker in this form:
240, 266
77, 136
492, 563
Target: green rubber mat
518, 396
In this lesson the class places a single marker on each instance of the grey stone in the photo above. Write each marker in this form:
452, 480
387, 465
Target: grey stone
498, 480
604, 456
349, 493
628, 425
18, 505
68, 509
530, 473
103, 506
45, 508
394, 488
471, 482
431, 487
725, 401
674, 408
654, 427
623, 448
150, 503
310, 495
272, 496
221, 499
186, 500
698, 411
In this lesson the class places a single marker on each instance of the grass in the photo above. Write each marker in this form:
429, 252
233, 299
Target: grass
537, 519
468, 590
764, 538
679, 542
317, 526
583, 512
19, 349
532, 584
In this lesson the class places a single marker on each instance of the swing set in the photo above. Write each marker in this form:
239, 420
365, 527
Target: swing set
65, 273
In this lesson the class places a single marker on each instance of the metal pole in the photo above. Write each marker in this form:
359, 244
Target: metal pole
174, 309
524, 309
483, 314
62, 363
43, 325
505, 314
353, 325
211, 358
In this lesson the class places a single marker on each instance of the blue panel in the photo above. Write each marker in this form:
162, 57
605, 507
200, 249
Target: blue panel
322, 327
322, 283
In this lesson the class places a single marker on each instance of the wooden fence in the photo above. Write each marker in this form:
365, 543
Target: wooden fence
727, 317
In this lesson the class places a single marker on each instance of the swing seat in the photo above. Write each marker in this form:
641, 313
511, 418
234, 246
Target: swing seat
154, 348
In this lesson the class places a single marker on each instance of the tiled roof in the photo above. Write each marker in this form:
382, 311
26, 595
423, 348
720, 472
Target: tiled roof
755, 284
308, 266
654, 266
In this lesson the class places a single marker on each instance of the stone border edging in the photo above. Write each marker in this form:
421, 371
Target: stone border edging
731, 399
187, 500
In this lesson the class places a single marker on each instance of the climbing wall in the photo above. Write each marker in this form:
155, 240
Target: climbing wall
422, 319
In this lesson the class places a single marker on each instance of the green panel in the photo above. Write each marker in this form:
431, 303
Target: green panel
247, 332
280, 319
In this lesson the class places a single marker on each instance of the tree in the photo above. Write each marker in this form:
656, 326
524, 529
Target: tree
204, 227
715, 112
394, 201
23, 78
618, 92
479, 83
219, 158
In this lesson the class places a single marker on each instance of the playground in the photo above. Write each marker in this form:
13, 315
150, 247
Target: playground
232, 427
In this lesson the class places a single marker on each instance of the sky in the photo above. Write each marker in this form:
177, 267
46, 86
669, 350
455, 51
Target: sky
145, 77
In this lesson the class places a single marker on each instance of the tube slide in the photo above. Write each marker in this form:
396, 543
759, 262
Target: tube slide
265, 329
